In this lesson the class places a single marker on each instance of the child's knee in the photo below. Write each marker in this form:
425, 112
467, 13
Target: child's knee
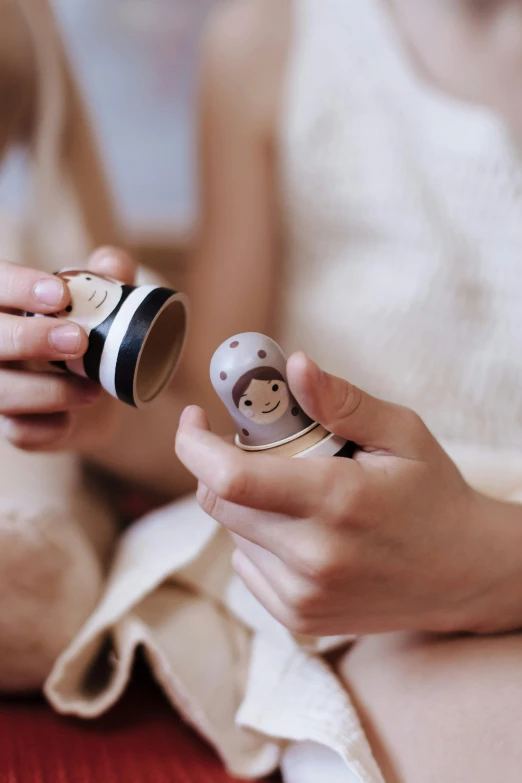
50, 580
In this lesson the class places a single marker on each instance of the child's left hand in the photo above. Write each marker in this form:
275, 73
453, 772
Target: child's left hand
65, 427
393, 539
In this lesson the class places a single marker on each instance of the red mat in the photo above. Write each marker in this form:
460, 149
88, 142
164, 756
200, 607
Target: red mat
140, 741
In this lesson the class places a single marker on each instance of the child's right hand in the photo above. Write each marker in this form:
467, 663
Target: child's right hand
31, 394
393, 539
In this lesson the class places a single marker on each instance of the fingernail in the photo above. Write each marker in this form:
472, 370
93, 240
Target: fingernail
49, 291
66, 339
6, 426
185, 414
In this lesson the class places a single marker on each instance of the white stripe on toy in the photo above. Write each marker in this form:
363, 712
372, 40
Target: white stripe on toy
116, 334
327, 447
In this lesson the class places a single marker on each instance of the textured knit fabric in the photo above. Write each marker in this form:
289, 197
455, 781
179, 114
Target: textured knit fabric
307, 762
403, 212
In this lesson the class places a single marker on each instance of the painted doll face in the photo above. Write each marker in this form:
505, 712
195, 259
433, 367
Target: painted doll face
93, 298
264, 402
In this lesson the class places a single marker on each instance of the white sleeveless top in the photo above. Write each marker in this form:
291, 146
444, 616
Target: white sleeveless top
403, 213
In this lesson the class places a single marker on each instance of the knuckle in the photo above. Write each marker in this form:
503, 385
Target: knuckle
16, 281
324, 570
303, 598
414, 428
297, 623
350, 399
17, 337
9, 282
343, 501
58, 394
232, 483
413, 425
412, 420
210, 503
317, 564
338, 497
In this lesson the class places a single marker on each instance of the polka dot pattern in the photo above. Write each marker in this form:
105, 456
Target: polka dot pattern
244, 369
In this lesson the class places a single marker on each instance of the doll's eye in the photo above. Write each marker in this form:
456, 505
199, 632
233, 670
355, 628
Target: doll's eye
275, 387
248, 403
68, 308
88, 278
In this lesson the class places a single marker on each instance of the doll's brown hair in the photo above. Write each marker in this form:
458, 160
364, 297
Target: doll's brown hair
256, 374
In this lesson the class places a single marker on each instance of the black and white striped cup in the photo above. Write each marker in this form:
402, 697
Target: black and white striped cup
136, 334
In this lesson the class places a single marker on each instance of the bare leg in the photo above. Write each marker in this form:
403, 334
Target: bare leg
440, 709
55, 535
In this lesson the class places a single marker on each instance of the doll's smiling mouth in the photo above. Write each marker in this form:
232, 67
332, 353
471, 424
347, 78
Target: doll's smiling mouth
103, 300
273, 409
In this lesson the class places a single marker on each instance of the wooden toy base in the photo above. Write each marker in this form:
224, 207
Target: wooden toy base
330, 446
314, 442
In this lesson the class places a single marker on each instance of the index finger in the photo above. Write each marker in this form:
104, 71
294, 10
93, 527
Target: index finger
24, 288
261, 481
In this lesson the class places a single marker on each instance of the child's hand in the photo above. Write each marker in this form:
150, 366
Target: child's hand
393, 539
47, 410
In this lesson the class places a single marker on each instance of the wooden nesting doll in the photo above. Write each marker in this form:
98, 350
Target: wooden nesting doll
248, 372
136, 334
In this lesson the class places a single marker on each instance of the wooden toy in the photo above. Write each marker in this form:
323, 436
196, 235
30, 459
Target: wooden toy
136, 334
248, 372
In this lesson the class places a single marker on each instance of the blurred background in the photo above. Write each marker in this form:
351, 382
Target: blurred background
136, 63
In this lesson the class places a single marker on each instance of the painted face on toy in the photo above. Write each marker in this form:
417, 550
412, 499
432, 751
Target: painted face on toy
93, 298
248, 371
265, 401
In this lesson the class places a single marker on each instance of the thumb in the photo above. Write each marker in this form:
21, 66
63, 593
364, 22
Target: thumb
113, 262
353, 414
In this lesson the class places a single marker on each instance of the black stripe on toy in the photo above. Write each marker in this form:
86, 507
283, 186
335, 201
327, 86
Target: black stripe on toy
132, 343
348, 450
97, 338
